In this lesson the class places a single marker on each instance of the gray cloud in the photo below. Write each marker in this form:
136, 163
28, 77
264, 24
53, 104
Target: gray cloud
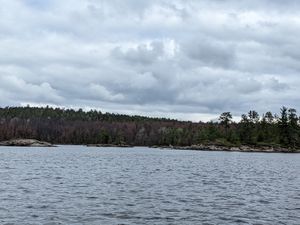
210, 53
186, 59
144, 54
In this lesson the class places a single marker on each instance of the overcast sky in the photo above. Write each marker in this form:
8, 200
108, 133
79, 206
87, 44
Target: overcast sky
185, 59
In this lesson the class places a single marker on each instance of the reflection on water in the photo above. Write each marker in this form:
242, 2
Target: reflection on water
79, 185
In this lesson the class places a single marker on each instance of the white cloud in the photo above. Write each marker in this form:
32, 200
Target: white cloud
160, 57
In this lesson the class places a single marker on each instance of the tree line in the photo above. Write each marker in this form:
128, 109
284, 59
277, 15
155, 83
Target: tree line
69, 126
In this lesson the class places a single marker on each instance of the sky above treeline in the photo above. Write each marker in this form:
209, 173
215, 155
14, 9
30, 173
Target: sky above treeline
184, 59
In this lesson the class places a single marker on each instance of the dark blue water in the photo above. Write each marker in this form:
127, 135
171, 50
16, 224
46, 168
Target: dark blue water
79, 185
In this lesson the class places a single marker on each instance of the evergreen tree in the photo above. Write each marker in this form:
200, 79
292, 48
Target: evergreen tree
283, 126
293, 128
225, 120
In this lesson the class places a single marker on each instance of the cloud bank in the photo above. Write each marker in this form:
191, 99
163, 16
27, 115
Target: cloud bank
183, 59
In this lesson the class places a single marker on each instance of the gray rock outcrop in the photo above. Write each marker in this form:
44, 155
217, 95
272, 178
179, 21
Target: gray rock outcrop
26, 143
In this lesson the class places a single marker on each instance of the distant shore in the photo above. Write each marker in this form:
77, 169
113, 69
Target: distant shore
243, 148
200, 147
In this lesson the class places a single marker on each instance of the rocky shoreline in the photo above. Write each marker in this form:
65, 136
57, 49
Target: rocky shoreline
26, 143
200, 147
243, 148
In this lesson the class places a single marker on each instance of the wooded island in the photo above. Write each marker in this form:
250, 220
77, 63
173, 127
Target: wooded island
68, 126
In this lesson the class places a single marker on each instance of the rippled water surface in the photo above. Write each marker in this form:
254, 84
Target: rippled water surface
80, 185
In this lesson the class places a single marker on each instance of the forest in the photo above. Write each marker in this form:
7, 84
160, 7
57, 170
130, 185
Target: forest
69, 126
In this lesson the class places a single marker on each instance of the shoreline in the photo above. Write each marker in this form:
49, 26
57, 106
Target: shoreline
220, 148
199, 147
19, 142
207, 148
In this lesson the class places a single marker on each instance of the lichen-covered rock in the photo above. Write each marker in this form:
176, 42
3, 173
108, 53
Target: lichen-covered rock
26, 143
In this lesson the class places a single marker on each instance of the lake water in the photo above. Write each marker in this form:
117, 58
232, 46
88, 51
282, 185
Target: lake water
80, 185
